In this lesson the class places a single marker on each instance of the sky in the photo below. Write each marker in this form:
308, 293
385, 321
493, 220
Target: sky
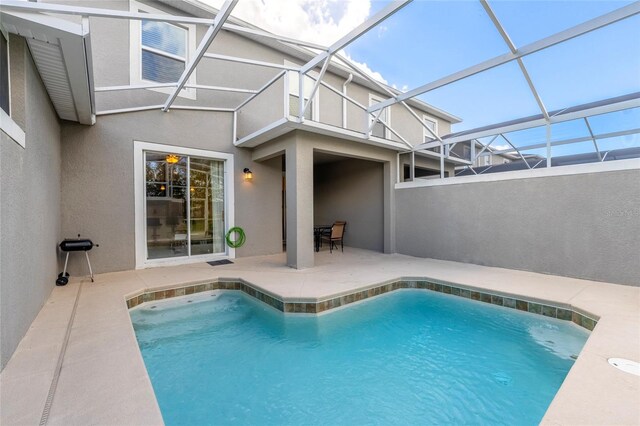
427, 40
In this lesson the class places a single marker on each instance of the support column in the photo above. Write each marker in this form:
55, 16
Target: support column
390, 171
299, 174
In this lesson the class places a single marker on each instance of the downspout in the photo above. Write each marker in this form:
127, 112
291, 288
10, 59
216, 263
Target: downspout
344, 101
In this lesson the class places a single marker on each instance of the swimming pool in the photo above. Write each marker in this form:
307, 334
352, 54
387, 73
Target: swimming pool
408, 357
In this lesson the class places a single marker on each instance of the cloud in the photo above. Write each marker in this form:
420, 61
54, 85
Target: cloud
499, 147
364, 67
403, 88
318, 21
382, 30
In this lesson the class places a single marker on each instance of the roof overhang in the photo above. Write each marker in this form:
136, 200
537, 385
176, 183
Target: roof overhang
285, 125
61, 51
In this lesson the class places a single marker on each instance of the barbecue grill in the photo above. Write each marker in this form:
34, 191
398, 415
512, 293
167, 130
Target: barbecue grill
69, 245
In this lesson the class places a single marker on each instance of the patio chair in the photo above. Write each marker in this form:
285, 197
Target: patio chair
337, 235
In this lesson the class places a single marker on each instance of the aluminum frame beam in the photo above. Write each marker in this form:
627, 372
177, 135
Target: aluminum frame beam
212, 32
560, 37
539, 122
484, 148
593, 138
172, 85
357, 32
250, 62
513, 49
517, 150
315, 87
573, 140
262, 89
24, 6
364, 108
385, 89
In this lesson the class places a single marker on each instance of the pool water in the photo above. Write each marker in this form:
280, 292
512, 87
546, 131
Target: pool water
408, 357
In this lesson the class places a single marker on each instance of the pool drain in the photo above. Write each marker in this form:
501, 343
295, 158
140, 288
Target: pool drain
626, 365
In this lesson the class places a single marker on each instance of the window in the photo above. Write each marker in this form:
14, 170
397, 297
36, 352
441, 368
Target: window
8, 126
294, 95
379, 130
164, 51
484, 160
4, 74
159, 51
184, 203
431, 124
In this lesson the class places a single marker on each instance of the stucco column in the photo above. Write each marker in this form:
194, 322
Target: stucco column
299, 174
390, 173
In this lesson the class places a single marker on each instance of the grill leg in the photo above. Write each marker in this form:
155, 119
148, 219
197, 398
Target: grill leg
88, 263
66, 260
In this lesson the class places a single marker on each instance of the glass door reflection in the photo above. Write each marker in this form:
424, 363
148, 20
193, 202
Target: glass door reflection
166, 201
207, 206
184, 205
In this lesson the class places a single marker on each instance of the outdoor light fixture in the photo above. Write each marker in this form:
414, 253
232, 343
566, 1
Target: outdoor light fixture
162, 188
248, 175
172, 159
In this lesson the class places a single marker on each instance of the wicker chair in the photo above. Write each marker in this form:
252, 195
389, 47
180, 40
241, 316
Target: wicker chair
337, 235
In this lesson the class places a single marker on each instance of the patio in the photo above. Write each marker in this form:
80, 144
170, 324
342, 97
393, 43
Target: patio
103, 378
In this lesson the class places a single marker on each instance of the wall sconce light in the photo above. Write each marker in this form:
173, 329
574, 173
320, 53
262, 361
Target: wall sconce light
248, 175
172, 159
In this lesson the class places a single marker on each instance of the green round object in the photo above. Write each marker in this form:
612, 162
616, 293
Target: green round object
240, 237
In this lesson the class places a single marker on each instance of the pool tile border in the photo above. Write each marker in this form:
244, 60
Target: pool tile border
566, 313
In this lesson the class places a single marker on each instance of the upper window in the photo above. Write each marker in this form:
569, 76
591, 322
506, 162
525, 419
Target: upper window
164, 51
4, 73
379, 129
160, 51
7, 125
431, 124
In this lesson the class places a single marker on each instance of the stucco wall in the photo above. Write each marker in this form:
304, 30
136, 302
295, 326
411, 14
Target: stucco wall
98, 182
351, 190
583, 226
111, 44
29, 203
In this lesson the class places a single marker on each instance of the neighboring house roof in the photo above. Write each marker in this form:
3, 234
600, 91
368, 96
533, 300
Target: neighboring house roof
538, 119
61, 51
537, 162
201, 10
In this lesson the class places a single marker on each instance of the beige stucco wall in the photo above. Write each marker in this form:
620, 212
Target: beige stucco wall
583, 226
98, 182
352, 190
111, 41
29, 203
300, 192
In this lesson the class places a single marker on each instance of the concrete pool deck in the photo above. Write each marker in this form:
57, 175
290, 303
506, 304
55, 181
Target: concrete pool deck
103, 380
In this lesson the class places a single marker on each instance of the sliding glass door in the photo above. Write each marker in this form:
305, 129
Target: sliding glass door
184, 205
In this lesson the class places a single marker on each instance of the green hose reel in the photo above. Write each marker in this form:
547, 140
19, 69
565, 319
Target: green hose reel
235, 237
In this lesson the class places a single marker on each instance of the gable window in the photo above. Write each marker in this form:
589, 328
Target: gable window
379, 129
431, 124
4, 74
164, 51
159, 51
